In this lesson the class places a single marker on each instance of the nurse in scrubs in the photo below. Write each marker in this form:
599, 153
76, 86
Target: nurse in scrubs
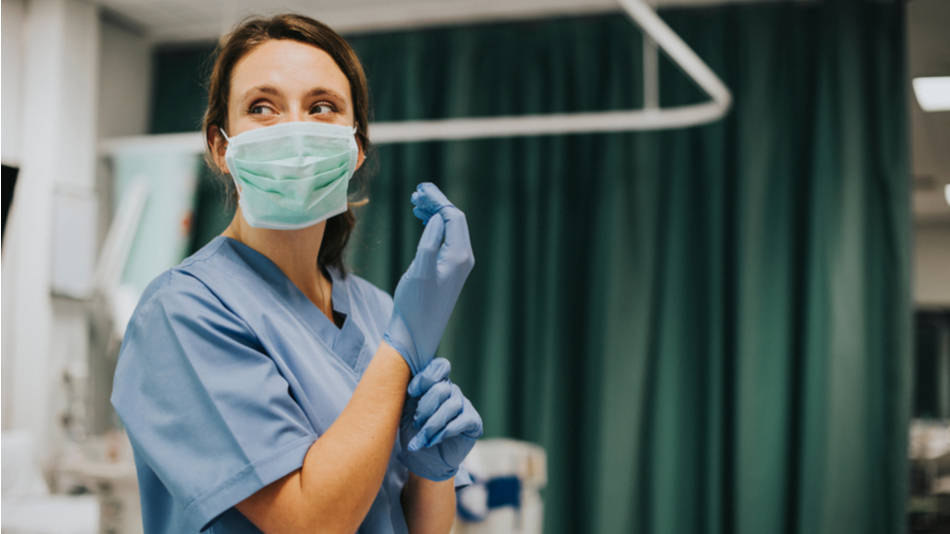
264, 388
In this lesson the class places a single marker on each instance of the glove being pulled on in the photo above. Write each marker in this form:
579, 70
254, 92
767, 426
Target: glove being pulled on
427, 292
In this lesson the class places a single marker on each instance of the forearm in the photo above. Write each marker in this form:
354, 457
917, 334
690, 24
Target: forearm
344, 468
429, 507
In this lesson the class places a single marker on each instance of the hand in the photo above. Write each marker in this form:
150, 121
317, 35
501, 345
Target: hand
427, 292
439, 425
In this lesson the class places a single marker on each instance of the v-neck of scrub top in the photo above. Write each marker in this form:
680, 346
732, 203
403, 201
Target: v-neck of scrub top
345, 342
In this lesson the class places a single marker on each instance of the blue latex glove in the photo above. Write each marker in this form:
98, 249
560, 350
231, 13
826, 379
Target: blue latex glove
439, 425
427, 292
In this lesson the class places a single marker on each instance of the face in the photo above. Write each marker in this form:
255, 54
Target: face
285, 81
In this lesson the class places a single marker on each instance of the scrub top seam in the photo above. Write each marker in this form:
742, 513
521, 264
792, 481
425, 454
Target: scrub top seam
207, 255
196, 501
223, 304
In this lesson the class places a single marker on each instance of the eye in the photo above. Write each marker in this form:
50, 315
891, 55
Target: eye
260, 108
328, 107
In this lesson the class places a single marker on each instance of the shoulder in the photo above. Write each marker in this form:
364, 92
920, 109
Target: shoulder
217, 257
178, 304
178, 328
174, 288
207, 279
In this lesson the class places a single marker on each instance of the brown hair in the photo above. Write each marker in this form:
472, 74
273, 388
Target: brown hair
248, 35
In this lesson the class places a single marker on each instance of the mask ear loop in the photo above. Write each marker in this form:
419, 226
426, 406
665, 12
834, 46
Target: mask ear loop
228, 139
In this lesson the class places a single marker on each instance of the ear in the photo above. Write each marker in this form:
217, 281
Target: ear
218, 148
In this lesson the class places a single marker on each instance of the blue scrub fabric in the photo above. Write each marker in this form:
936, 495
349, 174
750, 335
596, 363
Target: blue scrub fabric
226, 376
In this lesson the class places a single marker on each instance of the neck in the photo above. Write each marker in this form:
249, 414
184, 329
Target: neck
295, 252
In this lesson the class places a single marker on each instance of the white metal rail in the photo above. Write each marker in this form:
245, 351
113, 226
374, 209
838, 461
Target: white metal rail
650, 117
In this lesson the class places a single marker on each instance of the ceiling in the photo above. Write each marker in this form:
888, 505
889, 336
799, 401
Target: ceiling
187, 20
168, 21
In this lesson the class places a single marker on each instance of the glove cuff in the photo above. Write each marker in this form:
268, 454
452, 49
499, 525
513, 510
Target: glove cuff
435, 473
396, 332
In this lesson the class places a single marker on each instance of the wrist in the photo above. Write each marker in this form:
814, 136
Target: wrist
389, 353
399, 338
421, 485
428, 506
427, 464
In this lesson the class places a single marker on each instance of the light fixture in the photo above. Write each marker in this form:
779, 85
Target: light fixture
933, 93
946, 193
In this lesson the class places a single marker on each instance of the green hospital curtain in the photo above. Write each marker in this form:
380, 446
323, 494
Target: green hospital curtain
707, 328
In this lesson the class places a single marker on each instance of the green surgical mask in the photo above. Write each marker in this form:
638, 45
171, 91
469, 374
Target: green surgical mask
293, 174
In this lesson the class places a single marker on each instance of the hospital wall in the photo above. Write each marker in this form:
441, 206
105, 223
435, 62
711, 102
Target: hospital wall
932, 265
54, 127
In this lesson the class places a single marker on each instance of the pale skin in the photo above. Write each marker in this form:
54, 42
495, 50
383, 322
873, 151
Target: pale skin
284, 81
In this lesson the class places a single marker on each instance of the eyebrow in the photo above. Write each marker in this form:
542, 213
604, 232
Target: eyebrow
316, 91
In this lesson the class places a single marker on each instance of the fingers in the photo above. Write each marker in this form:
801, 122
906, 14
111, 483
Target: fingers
433, 373
447, 411
431, 239
428, 199
457, 239
468, 423
421, 214
432, 400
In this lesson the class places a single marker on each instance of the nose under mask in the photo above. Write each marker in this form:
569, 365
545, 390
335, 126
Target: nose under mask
294, 174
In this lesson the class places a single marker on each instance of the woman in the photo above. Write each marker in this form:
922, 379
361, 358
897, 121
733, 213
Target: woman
262, 387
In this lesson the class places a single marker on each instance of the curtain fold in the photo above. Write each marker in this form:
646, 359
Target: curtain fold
707, 328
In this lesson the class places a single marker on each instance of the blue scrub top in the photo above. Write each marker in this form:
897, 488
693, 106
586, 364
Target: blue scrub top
226, 376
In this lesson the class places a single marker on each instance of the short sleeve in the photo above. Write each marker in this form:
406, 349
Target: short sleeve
463, 478
203, 405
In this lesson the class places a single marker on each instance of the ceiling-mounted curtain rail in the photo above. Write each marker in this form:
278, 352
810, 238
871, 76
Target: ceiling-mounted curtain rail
650, 117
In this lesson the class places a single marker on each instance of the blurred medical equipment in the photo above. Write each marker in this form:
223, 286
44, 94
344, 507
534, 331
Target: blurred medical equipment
929, 451
505, 495
104, 465
656, 34
8, 185
162, 238
153, 195
116, 248
28, 506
